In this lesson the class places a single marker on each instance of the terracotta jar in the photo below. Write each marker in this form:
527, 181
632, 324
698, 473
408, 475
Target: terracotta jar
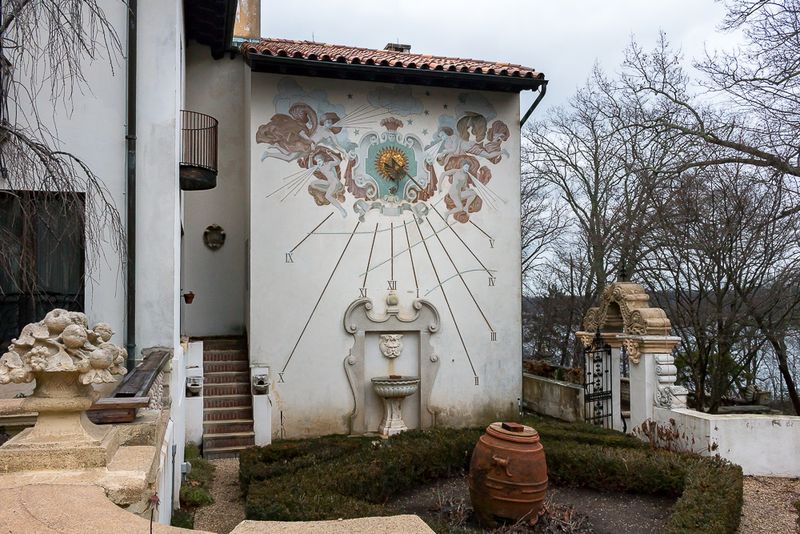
507, 475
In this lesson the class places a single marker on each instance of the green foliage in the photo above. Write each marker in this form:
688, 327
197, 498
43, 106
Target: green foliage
196, 489
191, 451
182, 518
711, 499
195, 496
343, 477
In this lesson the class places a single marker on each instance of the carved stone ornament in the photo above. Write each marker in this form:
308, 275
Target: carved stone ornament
667, 394
63, 343
65, 358
359, 320
632, 350
214, 237
391, 345
624, 308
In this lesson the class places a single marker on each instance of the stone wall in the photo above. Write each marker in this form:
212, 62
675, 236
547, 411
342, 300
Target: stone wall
553, 398
762, 444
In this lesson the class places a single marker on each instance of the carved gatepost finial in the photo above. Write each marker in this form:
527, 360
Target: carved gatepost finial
65, 358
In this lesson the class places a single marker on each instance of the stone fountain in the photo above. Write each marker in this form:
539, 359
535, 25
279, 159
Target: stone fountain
65, 358
393, 389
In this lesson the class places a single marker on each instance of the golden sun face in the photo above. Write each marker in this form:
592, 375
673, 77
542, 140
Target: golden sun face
392, 164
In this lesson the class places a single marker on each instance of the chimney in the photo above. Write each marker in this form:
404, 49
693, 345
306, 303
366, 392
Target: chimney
397, 47
248, 20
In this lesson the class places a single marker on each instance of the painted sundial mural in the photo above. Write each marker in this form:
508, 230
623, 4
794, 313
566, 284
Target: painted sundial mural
384, 168
413, 187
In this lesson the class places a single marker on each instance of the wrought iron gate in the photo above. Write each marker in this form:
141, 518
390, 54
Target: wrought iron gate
597, 385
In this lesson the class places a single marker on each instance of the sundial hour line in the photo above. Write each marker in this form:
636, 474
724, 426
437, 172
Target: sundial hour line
482, 231
411, 257
322, 294
309, 234
446, 300
459, 238
476, 270
466, 286
369, 259
384, 262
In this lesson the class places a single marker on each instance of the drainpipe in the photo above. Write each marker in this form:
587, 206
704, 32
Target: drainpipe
130, 165
542, 92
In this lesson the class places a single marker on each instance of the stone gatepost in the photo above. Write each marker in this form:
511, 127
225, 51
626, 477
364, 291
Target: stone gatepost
628, 324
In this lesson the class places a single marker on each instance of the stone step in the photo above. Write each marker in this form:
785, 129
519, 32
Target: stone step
222, 452
225, 367
228, 401
223, 343
227, 377
232, 439
225, 356
237, 388
227, 414
225, 427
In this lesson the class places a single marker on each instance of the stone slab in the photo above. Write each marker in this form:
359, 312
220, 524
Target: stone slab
406, 524
49, 509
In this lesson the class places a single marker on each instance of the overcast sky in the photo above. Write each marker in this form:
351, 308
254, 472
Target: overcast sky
562, 38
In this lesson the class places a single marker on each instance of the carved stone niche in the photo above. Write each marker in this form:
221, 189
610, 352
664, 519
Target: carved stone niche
359, 320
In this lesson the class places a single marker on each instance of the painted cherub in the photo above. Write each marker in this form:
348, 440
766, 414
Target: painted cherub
459, 191
326, 170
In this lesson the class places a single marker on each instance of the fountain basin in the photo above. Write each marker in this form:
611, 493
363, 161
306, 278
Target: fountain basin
393, 389
395, 386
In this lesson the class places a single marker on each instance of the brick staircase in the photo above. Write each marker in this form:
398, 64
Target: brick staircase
227, 401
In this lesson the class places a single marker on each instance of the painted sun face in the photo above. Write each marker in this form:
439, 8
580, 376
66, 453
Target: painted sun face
392, 164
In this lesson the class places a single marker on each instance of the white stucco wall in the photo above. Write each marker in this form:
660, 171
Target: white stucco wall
312, 395
762, 444
91, 125
216, 87
160, 71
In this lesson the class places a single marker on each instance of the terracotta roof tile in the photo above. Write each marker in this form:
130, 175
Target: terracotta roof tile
357, 56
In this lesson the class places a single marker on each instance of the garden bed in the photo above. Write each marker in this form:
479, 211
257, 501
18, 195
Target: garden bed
344, 477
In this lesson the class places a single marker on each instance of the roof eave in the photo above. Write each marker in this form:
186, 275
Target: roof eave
386, 74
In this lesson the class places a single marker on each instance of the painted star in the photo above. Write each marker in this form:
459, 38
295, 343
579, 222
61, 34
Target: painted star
425, 131
427, 93
426, 112
356, 131
445, 106
350, 96
410, 122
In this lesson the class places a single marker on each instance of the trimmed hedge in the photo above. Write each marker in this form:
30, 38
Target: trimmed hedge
344, 477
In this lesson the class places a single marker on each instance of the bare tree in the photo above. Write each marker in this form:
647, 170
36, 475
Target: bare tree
45, 47
749, 107
605, 170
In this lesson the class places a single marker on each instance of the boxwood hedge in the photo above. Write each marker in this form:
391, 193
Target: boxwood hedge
343, 477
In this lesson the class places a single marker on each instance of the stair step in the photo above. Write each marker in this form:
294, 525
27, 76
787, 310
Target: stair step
226, 367
227, 414
226, 377
225, 356
238, 388
219, 441
227, 401
222, 343
222, 452
211, 428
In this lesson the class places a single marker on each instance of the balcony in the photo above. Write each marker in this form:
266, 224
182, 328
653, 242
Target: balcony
198, 151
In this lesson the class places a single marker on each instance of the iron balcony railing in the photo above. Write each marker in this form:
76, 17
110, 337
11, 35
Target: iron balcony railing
198, 150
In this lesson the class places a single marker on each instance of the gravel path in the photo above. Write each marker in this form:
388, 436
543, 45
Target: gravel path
228, 508
768, 505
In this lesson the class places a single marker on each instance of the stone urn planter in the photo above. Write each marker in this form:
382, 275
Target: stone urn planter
65, 358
